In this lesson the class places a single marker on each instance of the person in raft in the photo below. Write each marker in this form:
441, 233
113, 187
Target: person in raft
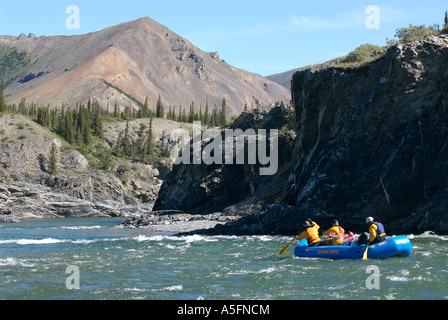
336, 233
376, 230
310, 233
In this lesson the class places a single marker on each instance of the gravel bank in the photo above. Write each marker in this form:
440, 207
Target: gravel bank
175, 222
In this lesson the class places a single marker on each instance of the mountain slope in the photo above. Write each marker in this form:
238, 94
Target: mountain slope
143, 59
284, 78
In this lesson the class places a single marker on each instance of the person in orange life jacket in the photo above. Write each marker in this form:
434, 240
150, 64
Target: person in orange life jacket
376, 230
336, 233
310, 233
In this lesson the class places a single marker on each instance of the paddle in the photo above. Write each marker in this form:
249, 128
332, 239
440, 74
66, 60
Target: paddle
364, 257
287, 247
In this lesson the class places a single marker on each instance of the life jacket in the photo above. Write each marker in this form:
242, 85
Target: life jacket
381, 232
338, 239
313, 235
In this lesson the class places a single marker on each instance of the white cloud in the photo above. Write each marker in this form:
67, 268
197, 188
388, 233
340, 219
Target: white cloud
337, 21
307, 23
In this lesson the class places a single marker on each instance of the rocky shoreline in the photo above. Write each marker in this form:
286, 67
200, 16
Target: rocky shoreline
30, 201
177, 222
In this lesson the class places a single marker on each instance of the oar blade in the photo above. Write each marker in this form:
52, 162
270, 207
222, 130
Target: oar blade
364, 257
285, 249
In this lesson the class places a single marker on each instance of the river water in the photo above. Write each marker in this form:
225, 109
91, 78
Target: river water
89, 259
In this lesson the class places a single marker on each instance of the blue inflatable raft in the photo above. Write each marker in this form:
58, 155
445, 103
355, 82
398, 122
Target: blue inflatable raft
392, 247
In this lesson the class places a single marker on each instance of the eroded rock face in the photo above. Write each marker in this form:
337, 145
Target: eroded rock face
235, 190
372, 141
28, 190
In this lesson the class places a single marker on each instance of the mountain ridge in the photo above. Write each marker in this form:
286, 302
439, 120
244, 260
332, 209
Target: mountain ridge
144, 59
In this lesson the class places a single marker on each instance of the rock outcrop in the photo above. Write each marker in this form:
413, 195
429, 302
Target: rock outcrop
372, 141
173, 221
237, 189
28, 201
28, 190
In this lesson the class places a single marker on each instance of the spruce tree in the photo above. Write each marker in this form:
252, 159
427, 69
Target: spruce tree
169, 115
223, 113
445, 25
206, 119
127, 149
214, 118
41, 117
53, 160
149, 147
98, 122
60, 127
53, 119
145, 110
89, 106
118, 147
116, 111
160, 112
179, 117
85, 126
2, 97
78, 136
201, 115
191, 114
127, 114
139, 148
173, 114
106, 160
69, 134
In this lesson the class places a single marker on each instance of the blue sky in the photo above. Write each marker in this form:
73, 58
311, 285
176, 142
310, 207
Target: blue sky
260, 36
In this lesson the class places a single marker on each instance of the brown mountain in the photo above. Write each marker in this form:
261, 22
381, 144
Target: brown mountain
139, 59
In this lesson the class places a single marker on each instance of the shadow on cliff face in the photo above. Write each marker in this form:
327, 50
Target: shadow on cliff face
373, 141
234, 190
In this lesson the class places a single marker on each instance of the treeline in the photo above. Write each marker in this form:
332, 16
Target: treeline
142, 148
12, 63
83, 117
77, 126
82, 126
210, 117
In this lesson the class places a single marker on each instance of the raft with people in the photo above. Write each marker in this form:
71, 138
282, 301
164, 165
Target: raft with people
335, 244
393, 247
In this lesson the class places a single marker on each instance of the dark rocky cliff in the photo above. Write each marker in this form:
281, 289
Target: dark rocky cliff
233, 190
371, 141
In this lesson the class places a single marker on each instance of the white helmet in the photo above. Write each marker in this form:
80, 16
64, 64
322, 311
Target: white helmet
369, 220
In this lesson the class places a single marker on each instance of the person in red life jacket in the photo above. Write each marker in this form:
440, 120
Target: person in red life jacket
376, 230
336, 233
310, 233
